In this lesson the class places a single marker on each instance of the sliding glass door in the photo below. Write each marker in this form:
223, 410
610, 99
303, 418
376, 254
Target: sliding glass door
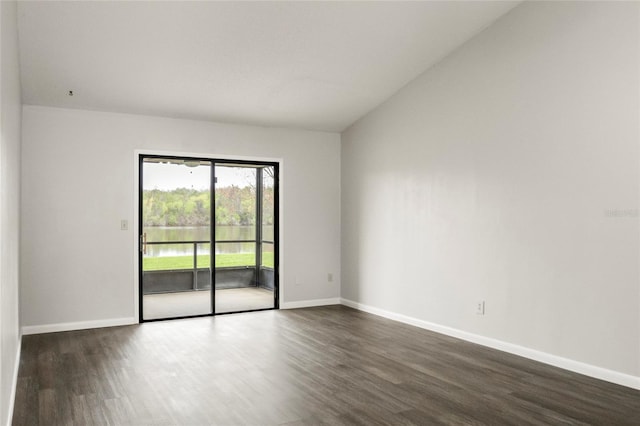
244, 272
180, 274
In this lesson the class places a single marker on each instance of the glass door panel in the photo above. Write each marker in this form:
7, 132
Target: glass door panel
267, 233
239, 281
175, 237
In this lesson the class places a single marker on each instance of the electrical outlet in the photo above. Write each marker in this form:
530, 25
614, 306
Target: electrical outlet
480, 308
330, 277
124, 225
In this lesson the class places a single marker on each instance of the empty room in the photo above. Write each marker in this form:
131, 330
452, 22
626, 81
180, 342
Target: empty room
320, 213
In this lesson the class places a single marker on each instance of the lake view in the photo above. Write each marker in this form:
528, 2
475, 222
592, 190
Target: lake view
201, 233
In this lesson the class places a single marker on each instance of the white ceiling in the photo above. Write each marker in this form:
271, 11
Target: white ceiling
311, 65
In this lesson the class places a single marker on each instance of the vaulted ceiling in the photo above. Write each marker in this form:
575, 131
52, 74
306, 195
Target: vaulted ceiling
311, 65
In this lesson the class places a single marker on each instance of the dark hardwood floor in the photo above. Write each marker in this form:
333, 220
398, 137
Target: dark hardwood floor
328, 365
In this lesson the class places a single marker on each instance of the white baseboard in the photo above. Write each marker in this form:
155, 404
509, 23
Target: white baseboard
546, 358
81, 325
14, 382
310, 303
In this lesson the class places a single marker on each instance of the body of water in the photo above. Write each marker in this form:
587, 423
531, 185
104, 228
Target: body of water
201, 233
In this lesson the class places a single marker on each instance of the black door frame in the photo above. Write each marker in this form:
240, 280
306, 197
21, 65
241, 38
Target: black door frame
212, 236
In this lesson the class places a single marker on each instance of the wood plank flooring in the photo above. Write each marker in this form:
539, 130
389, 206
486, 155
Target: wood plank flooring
317, 366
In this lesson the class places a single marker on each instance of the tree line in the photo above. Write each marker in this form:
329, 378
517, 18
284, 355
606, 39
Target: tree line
189, 207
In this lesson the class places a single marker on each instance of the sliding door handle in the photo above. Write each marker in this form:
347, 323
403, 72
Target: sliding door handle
143, 243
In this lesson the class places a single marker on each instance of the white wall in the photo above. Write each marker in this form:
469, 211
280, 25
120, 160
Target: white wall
10, 111
78, 183
509, 173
